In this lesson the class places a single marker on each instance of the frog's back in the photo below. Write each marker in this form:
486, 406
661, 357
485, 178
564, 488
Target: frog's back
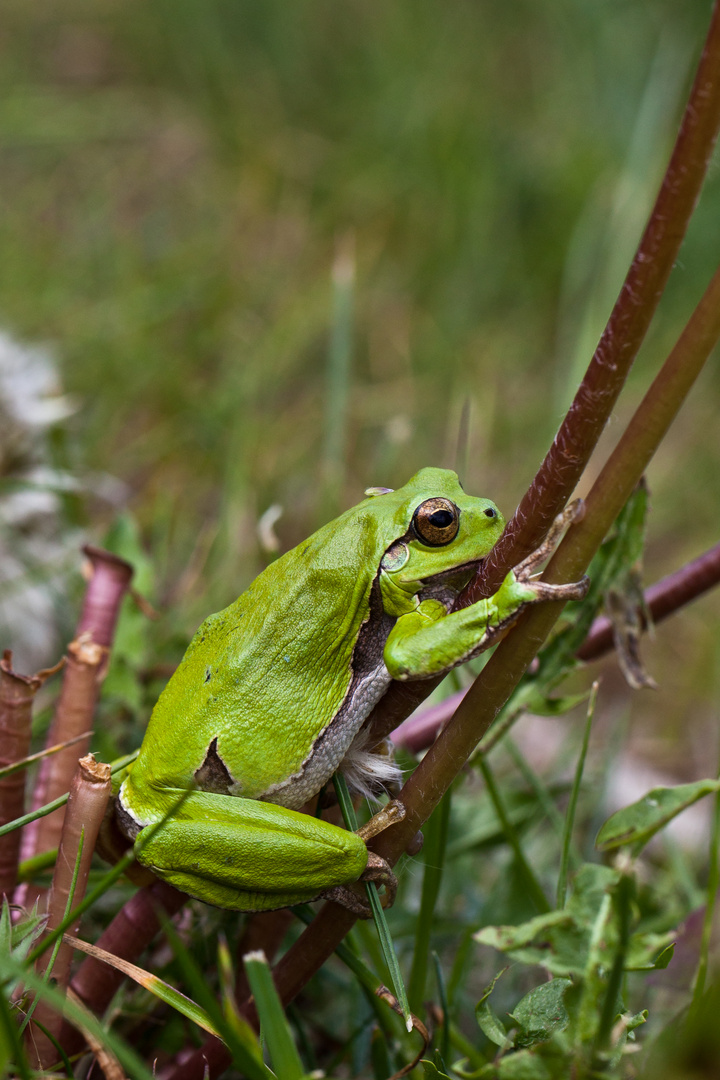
263, 678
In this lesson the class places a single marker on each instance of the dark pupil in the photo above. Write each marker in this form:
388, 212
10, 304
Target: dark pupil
441, 519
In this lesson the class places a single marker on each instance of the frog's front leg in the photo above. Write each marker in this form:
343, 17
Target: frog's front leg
248, 855
428, 641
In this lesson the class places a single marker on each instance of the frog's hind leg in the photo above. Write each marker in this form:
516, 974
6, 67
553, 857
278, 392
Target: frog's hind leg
248, 855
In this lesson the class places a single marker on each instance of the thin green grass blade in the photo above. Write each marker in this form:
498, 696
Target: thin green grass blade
622, 897
11, 1047
534, 888
537, 785
236, 1034
82, 1018
273, 1022
154, 985
572, 804
365, 975
386, 942
25, 762
444, 1006
389, 953
28, 869
461, 962
369, 945
47, 974
48, 808
436, 832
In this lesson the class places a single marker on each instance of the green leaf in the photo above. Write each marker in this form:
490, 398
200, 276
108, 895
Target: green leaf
378, 913
273, 1022
540, 704
541, 1012
632, 1022
637, 823
476, 824
561, 941
435, 831
80, 1016
522, 1065
431, 1072
489, 1023
664, 957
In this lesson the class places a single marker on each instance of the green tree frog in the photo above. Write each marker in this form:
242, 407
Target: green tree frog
273, 692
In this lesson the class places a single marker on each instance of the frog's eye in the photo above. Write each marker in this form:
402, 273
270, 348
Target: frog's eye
436, 522
490, 512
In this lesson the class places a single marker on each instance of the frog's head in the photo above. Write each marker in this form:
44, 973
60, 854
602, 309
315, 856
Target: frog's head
434, 529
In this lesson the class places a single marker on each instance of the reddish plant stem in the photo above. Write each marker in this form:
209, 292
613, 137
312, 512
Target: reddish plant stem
109, 581
127, 936
608, 495
87, 801
17, 693
662, 599
448, 754
626, 328
631, 315
85, 670
565, 462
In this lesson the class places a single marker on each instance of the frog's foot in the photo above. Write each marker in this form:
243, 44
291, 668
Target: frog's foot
543, 590
379, 872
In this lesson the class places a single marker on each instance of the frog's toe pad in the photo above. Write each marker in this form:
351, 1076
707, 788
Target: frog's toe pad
378, 871
346, 897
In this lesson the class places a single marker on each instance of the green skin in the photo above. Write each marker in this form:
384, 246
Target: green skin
273, 691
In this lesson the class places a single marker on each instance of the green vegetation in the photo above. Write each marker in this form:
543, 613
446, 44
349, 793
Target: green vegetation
285, 251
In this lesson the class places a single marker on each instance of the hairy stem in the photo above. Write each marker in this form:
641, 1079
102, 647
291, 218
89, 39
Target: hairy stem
89, 794
448, 754
84, 672
17, 693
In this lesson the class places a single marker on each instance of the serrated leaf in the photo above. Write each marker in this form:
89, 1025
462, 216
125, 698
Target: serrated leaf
541, 1012
638, 823
561, 940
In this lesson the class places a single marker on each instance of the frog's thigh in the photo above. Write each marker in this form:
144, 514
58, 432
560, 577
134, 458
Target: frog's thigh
249, 855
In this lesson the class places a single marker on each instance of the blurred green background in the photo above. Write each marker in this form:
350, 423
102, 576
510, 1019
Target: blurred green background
180, 177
